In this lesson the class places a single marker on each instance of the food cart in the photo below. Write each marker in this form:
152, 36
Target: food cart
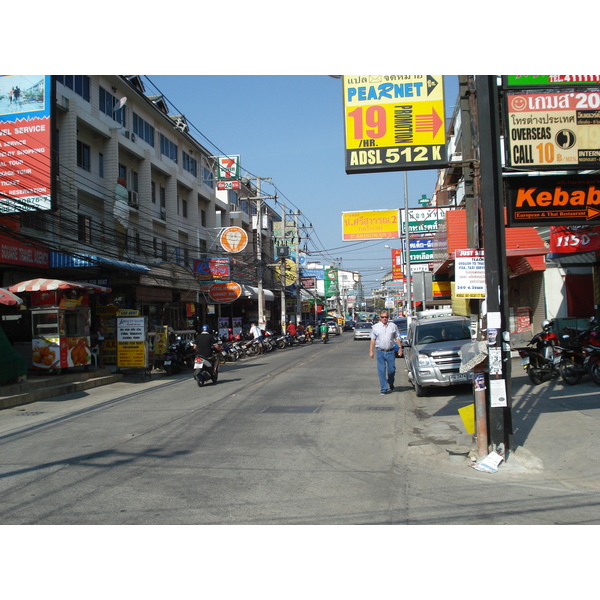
60, 321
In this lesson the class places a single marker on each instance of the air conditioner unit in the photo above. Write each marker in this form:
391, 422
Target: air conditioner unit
126, 133
133, 199
133, 137
163, 214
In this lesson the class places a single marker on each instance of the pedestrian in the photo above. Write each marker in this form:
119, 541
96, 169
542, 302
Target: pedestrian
100, 344
291, 329
256, 333
384, 336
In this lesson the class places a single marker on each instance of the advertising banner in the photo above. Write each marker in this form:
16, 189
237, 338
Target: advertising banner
397, 264
470, 274
216, 270
394, 122
370, 225
26, 131
553, 129
552, 200
528, 81
423, 220
131, 342
565, 239
331, 282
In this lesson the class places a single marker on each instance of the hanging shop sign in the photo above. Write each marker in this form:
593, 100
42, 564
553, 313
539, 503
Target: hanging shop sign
394, 122
225, 292
228, 167
370, 225
423, 221
26, 132
229, 185
553, 128
212, 270
397, 264
569, 239
552, 200
532, 81
290, 271
469, 268
233, 239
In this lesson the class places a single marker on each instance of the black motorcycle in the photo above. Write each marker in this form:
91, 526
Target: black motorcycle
542, 355
580, 354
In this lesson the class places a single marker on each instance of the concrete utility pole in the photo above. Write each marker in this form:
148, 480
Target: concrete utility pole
259, 262
409, 299
498, 390
297, 249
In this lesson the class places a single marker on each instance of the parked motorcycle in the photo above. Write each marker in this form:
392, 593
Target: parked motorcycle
580, 355
541, 356
171, 361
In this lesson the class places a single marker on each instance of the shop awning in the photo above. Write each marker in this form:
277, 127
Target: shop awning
252, 292
50, 285
60, 259
525, 249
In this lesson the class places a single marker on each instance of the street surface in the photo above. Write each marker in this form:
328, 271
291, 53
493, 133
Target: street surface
297, 436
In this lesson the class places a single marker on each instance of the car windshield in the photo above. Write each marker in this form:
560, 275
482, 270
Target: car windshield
428, 333
362, 326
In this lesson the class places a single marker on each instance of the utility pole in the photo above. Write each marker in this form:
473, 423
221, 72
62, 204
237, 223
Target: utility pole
498, 390
297, 249
282, 273
259, 262
409, 287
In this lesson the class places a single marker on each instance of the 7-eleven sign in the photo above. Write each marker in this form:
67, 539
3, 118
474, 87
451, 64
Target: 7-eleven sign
228, 167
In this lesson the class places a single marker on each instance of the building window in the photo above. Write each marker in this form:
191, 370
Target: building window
203, 218
143, 129
207, 177
163, 197
184, 210
164, 251
80, 84
109, 105
84, 229
153, 192
83, 156
189, 164
168, 148
101, 164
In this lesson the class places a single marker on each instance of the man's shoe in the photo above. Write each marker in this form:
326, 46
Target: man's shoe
385, 393
391, 388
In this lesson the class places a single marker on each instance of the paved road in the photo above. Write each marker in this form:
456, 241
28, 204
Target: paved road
299, 436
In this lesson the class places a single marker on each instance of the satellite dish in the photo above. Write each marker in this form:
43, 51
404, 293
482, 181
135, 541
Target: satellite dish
122, 102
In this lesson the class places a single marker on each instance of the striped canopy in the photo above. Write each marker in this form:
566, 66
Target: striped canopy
49, 285
9, 298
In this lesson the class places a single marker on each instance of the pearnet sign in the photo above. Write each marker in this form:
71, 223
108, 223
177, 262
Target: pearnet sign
394, 122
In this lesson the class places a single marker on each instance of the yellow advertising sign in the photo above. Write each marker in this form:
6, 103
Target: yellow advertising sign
371, 225
394, 122
131, 354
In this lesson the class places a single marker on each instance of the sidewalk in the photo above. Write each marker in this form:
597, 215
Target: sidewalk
554, 429
40, 385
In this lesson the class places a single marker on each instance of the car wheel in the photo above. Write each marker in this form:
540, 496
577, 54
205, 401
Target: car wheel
419, 390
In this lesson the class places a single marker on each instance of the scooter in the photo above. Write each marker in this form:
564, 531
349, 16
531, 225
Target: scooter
541, 356
172, 361
324, 336
205, 370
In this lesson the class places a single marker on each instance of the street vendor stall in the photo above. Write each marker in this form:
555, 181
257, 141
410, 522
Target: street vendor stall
12, 366
60, 321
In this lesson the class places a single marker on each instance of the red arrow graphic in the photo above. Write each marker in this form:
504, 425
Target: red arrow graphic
428, 123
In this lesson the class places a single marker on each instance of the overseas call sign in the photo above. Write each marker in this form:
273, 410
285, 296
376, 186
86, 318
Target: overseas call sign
394, 122
550, 129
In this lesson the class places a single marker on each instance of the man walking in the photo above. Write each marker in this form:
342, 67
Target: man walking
383, 337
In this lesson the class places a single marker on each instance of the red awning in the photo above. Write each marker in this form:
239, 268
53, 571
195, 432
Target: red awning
49, 285
9, 298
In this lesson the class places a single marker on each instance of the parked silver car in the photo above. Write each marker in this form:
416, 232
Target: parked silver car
431, 352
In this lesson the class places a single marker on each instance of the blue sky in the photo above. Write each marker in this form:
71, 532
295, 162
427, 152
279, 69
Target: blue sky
291, 128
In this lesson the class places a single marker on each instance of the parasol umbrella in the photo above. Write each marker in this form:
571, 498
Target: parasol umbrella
9, 298
49, 285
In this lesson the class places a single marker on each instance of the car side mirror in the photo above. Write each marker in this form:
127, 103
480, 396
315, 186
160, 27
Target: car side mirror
405, 343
